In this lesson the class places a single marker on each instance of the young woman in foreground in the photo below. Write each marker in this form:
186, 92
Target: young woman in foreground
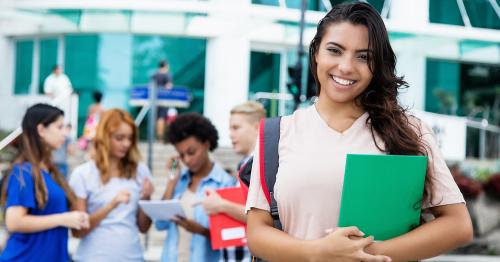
357, 112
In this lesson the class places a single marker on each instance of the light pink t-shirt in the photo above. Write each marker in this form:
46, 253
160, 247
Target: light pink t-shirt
310, 177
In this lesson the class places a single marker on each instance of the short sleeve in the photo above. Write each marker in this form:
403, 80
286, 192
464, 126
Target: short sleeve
20, 188
444, 189
256, 197
77, 182
143, 173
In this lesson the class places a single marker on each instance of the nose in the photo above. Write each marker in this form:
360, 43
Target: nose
127, 143
187, 160
346, 65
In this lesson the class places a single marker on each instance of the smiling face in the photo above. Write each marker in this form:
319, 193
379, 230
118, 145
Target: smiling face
342, 63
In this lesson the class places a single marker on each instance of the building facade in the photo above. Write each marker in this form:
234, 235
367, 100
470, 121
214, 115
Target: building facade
227, 51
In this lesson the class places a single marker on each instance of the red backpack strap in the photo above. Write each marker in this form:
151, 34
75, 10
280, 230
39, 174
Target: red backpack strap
269, 132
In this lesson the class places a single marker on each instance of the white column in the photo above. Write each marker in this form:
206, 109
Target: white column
7, 63
226, 80
8, 103
227, 67
411, 61
35, 71
411, 13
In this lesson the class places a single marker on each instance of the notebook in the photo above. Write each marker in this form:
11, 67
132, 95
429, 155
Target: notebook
226, 231
382, 194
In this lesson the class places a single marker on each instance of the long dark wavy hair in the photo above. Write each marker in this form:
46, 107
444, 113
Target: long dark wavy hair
33, 150
387, 118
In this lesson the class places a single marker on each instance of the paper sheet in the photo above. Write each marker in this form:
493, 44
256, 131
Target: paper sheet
162, 209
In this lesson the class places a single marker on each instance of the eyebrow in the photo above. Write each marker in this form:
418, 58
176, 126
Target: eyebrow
342, 47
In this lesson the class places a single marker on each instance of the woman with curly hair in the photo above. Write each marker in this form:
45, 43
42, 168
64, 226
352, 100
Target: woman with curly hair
188, 238
109, 188
357, 112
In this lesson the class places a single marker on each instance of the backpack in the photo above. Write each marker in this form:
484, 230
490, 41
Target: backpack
269, 136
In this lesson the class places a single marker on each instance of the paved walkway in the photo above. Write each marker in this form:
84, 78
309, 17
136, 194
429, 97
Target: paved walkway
154, 253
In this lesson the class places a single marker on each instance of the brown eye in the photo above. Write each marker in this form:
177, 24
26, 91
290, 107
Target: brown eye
334, 51
363, 57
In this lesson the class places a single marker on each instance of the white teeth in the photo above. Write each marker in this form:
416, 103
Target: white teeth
341, 81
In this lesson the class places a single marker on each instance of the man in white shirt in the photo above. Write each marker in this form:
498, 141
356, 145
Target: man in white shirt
57, 84
244, 129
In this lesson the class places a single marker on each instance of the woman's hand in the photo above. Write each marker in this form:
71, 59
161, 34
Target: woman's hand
345, 244
147, 189
191, 226
213, 203
75, 220
174, 169
121, 197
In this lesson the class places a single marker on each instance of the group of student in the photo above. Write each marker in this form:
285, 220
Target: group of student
357, 111
100, 202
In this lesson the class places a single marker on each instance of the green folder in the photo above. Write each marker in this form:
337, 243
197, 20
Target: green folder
382, 194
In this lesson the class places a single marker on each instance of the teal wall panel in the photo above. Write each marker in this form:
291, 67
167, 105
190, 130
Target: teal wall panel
265, 77
48, 58
81, 66
442, 86
24, 66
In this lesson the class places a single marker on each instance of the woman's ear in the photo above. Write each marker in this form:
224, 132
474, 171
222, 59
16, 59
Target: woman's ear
41, 130
206, 145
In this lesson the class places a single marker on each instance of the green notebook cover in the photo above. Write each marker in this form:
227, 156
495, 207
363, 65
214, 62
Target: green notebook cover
382, 194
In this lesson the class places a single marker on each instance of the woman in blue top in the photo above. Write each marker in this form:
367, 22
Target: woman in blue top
188, 239
36, 196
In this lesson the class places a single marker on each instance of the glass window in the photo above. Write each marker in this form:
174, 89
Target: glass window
482, 14
467, 89
377, 4
186, 58
442, 86
48, 58
315, 5
24, 66
81, 67
445, 12
265, 77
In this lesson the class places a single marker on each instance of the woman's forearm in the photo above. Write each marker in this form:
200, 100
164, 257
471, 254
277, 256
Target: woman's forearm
439, 236
143, 221
94, 220
169, 192
272, 244
234, 210
32, 224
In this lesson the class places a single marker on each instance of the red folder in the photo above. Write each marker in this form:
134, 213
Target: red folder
226, 231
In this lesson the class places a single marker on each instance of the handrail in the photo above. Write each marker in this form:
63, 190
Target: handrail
18, 131
142, 114
13, 135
